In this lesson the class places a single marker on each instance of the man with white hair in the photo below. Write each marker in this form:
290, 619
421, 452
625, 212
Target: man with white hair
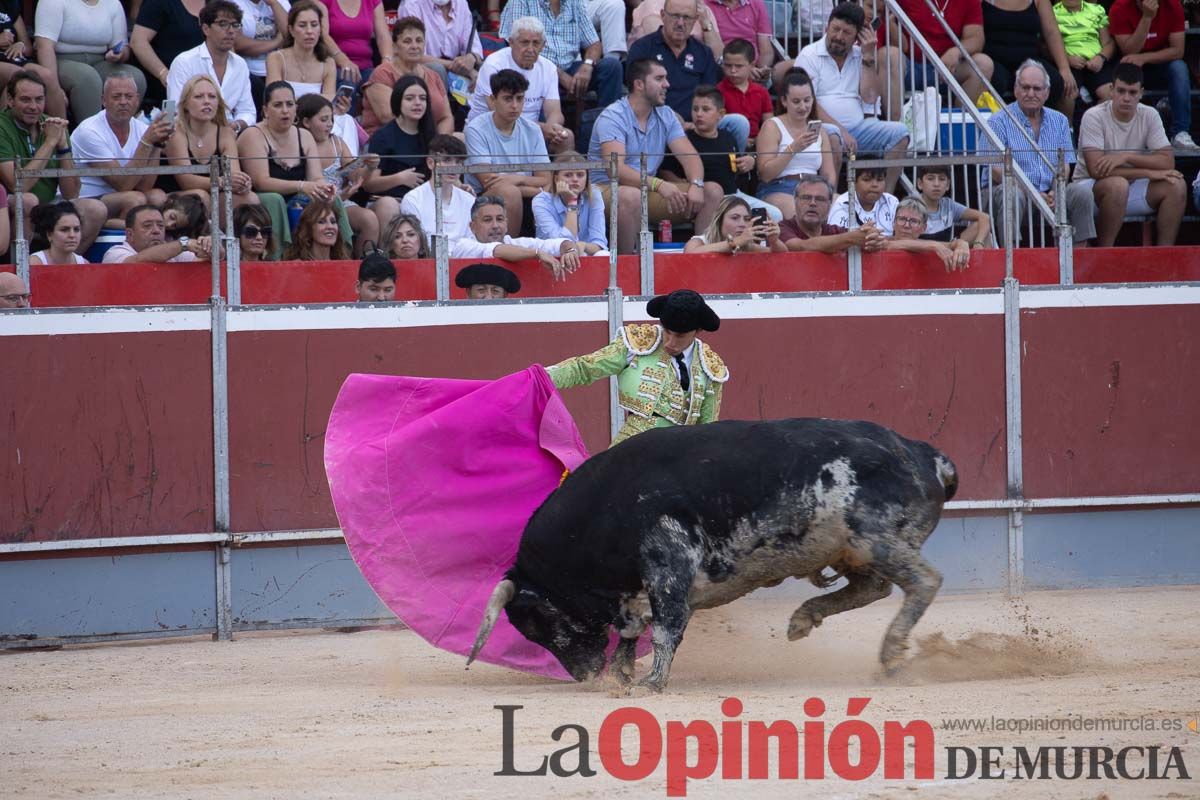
569, 29
1051, 134
114, 138
542, 106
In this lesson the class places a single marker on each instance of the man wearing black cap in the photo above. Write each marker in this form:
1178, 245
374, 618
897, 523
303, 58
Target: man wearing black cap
376, 279
665, 375
487, 281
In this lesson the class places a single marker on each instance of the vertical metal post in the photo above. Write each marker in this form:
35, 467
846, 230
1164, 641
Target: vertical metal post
214, 183
616, 318
645, 237
612, 219
854, 255
1012, 408
1006, 200
21, 254
224, 595
441, 245
220, 388
223, 235
1066, 233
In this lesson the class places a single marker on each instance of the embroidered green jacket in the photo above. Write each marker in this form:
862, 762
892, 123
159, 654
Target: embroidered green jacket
649, 388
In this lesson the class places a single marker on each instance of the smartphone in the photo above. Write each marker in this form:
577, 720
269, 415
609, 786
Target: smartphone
346, 169
346, 90
877, 23
168, 110
759, 216
118, 47
815, 125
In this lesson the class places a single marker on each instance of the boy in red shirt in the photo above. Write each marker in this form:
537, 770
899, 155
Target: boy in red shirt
1150, 34
742, 95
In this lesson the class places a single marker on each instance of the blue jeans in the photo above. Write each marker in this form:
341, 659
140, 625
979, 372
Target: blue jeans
1179, 84
606, 81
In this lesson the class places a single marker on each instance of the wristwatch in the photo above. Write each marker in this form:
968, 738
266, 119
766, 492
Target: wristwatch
589, 62
698, 182
183, 244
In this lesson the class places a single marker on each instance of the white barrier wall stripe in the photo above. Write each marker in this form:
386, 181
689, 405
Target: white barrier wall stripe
1099, 296
108, 320
412, 315
51, 322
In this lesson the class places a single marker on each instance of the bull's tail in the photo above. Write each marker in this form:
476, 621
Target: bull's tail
946, 473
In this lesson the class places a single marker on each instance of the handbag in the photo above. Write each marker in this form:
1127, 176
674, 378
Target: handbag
920, 116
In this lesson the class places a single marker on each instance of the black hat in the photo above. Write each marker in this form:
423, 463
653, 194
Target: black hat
490, 274
683, 311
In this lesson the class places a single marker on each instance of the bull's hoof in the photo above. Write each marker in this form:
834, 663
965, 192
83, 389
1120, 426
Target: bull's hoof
644, 688
621, 673
802, 623
892, 656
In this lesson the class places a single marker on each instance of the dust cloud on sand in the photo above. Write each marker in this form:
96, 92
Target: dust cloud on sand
382, 714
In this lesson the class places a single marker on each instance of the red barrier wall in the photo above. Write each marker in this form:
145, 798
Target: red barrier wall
1109, 400
106, 435
327, 282
283, 384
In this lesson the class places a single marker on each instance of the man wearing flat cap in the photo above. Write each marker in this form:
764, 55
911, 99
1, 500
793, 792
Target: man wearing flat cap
487, 281
665, 375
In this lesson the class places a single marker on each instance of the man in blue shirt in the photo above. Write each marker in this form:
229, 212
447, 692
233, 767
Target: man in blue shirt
1051, 134
642, 123
689, 63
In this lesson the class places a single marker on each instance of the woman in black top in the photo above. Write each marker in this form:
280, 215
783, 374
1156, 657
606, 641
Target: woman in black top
278, 155
1017, 30
16, 52
163, 30
401, 146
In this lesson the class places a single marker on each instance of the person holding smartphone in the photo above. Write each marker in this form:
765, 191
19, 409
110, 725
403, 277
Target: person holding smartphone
793, 145
737, 229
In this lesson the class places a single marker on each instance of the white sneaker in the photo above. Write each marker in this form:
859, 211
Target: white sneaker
1183, 140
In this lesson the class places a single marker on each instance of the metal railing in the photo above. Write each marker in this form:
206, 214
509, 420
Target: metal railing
1034, 214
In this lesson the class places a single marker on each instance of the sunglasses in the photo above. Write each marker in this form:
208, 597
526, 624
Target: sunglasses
253, 231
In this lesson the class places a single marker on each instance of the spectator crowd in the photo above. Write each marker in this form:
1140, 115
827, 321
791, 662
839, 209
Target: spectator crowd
334, 114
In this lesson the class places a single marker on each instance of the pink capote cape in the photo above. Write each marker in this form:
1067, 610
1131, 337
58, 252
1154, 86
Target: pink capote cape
433, 481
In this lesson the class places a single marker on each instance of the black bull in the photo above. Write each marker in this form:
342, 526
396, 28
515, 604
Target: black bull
678, 519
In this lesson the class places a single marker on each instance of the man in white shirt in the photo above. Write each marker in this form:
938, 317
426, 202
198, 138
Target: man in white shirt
542, 105
845, 76
221, 23
146, 242
444, 151
114, 138
489, 239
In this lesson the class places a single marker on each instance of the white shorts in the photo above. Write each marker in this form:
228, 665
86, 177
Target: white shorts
1136, 204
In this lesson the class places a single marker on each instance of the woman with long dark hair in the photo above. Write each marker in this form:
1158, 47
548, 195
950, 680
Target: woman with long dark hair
793, 144
58, 226
401, 146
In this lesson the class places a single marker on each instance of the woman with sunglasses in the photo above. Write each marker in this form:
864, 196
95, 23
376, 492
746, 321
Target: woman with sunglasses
252, 225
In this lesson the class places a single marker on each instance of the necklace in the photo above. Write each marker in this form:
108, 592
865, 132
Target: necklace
302, 68
941, 7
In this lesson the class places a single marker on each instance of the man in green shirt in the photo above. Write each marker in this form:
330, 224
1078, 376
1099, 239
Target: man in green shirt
665, 375
41, 142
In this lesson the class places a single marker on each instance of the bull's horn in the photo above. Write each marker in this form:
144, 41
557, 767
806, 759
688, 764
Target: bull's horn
505, 590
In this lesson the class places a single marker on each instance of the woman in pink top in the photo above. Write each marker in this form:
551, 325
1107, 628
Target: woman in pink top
352, 25
408, 40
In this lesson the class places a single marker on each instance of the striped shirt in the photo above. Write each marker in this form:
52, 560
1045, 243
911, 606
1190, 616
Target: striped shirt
566, 35
1054, 136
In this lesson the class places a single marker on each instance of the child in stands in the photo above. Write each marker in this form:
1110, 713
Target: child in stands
871, 202
742, 95
945, 213
1090, 49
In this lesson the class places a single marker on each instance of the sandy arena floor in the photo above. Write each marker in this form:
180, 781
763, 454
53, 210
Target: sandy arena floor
382, 714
